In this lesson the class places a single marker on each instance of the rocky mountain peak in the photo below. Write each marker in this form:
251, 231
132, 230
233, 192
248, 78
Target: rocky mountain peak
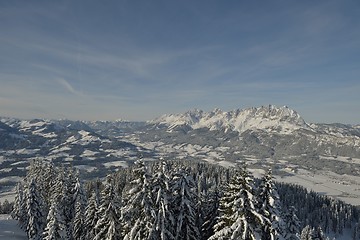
269, 118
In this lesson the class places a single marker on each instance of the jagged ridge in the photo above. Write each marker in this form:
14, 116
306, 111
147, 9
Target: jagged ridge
270, 118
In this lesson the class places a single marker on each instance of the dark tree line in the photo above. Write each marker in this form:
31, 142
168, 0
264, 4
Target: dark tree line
174, 200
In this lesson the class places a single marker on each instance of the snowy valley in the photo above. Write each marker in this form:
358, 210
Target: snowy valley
324, 158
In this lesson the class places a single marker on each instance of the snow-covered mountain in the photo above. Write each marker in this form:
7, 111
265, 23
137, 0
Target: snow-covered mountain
261, 133
270, 118
60, 141
267, 136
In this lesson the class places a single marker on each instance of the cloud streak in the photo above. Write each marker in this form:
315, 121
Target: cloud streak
66, 85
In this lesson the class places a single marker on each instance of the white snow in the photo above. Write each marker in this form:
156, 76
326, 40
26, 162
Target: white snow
88, 153
282, 120
9, 230
2, 159
83, 138
27, 151
116, 164
343, 187
60, 149
10, 179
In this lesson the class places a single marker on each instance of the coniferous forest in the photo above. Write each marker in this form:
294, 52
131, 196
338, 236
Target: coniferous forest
174, 200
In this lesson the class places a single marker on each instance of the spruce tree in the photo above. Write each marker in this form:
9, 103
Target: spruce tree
18, 212
238, 218
138, 211
164, 220
291, 229
80, 204
79, 222
62, 193
318, 234
209, 212
56, 227
307, 233
269, 207
34, 206
108, 225
91, 216
184, 206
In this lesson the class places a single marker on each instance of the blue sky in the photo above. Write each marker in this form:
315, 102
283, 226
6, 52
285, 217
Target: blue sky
104, 60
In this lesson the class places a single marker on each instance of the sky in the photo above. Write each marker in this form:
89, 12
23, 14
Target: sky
139, 59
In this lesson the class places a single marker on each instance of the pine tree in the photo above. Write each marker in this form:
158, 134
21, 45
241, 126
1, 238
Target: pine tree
108, 225
79, 222
18, 212
164, 220
184, 203
138, 211
55, 228
80, 203
291, 229
209, 212
62, 193
238, 218
34, 209
269, 206
307, 233
91, 216
318, 234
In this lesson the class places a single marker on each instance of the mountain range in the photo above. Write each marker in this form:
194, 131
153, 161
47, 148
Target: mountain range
266, 136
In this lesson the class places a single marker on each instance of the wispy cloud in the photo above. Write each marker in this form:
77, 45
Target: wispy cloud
69, 87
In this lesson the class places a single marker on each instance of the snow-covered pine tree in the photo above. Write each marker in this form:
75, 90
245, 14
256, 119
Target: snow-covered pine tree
61, 191
184, 206
108, 225
291, 229
209, 212
270, 207
238, 218
251, 223
80, 204
55, 228
34, 207
164, 220
91, 216
307, 233
18, 212
318, 234
138, 214
228, 211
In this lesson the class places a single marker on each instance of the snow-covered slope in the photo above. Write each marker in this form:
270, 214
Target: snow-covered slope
64, 142
9, 229
270, 118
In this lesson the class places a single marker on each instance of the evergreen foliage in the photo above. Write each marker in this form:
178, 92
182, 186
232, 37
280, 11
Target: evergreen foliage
164, 219
269, 207
138, 211
108, 225
91, 216
34, 206
291, 224
184, 205
55, 228
162, 201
